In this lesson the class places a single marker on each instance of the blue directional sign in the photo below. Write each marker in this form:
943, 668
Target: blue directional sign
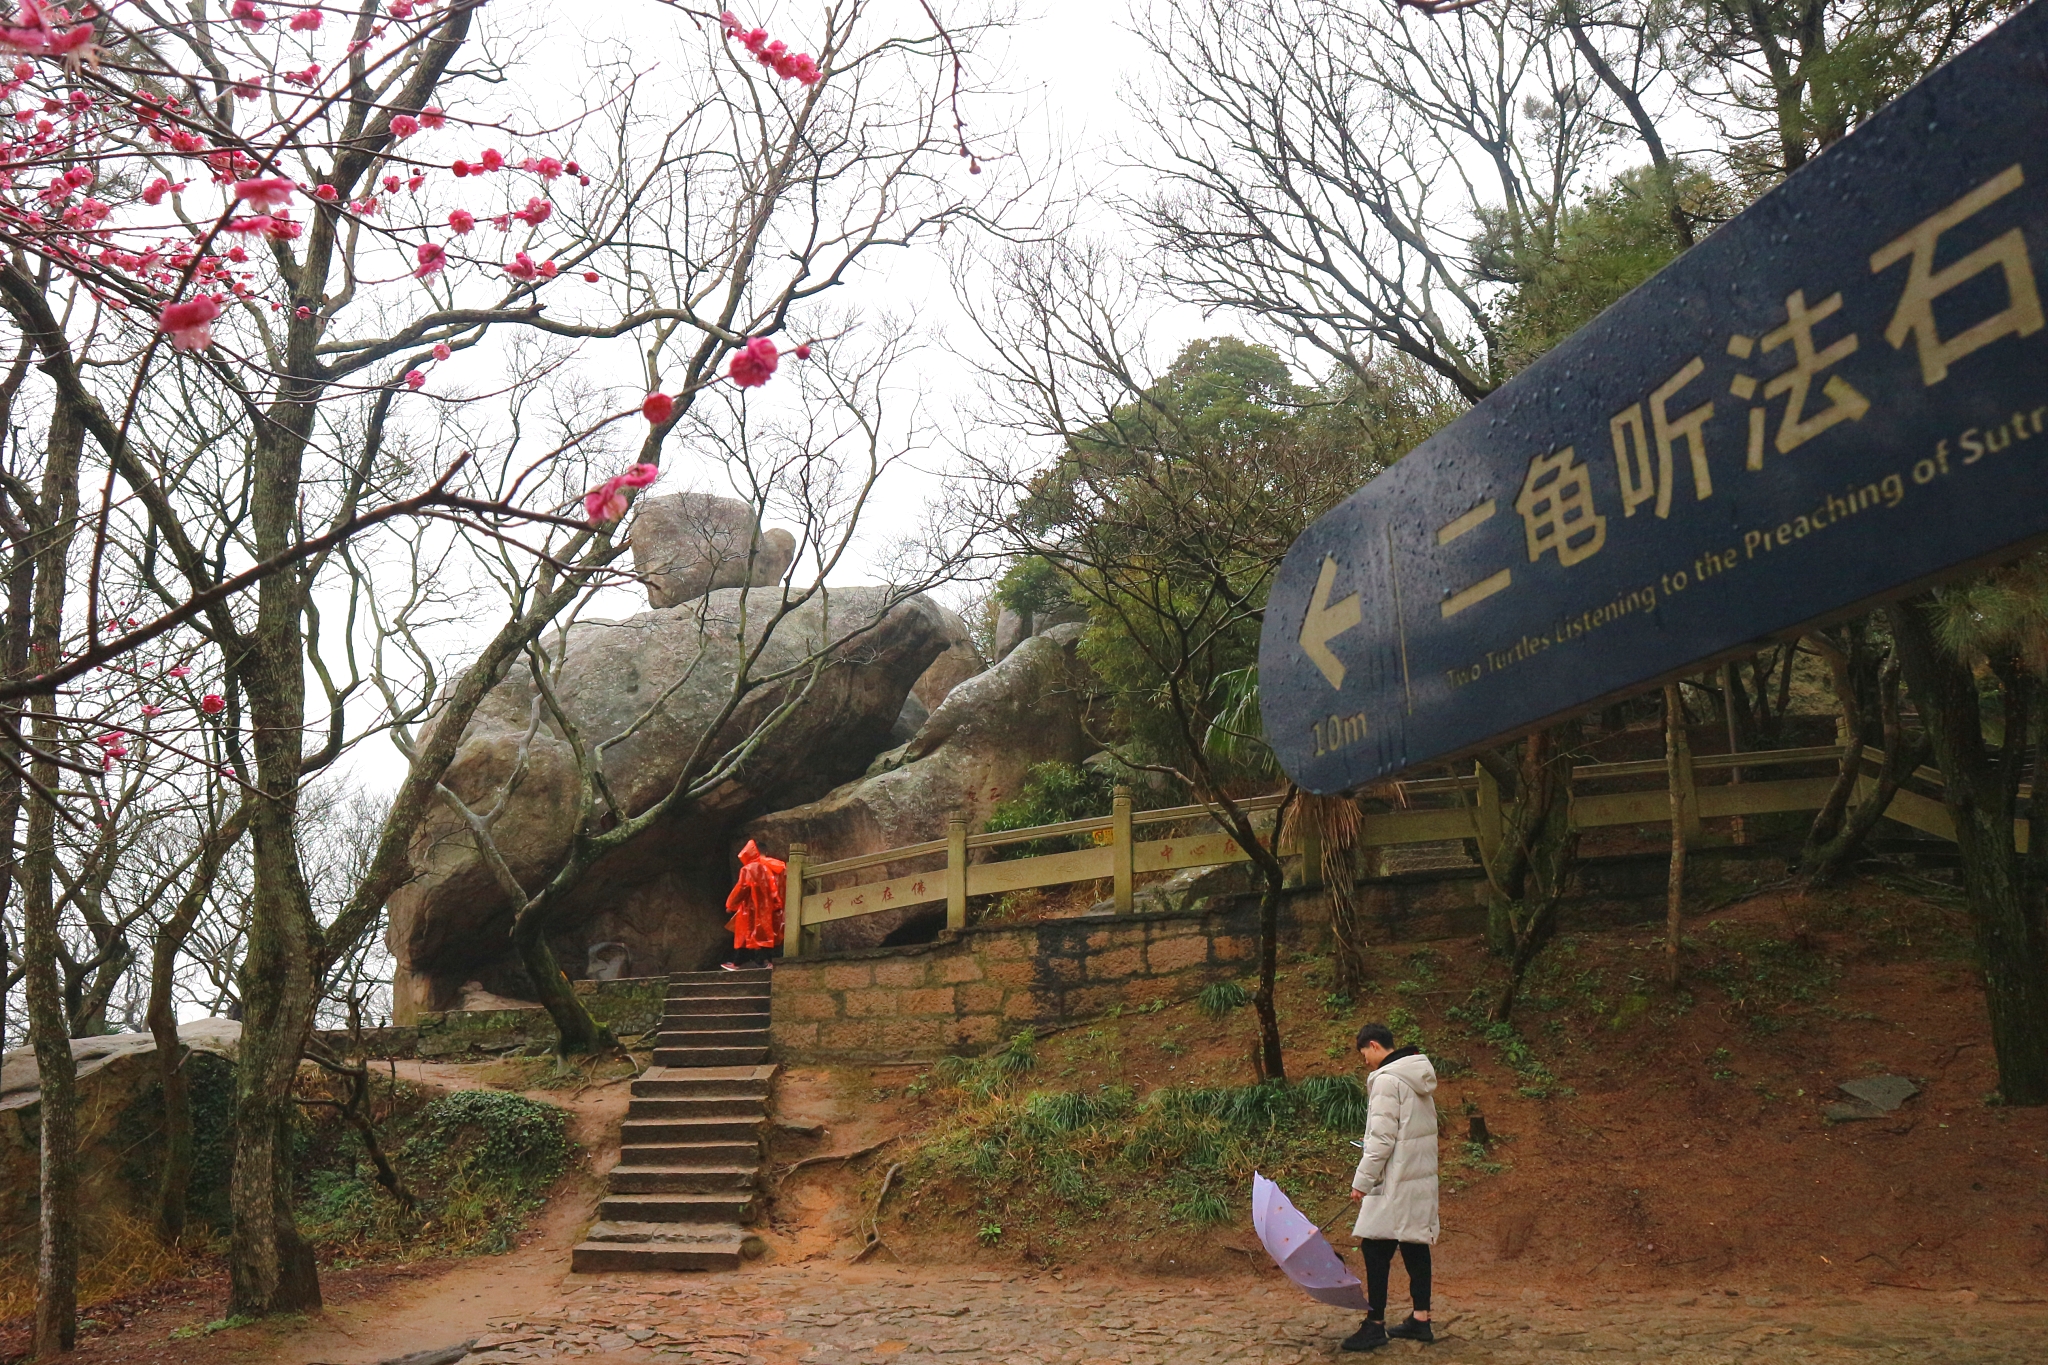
1838, 396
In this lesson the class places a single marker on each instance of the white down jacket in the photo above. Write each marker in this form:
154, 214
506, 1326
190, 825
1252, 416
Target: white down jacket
1397, 1172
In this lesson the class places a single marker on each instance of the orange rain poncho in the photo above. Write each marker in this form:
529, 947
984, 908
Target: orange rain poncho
756, 901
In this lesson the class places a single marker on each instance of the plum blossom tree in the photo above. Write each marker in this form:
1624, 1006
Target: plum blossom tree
255, 263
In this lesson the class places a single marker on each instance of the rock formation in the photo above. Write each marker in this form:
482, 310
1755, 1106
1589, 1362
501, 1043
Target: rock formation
961, 661
688, 544
120, 1118
650, 684
1013, 628
971, 754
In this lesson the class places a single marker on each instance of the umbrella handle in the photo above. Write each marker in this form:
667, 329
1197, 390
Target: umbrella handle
1341, 1211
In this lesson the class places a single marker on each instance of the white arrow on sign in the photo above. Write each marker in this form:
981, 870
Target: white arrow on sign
1326, 621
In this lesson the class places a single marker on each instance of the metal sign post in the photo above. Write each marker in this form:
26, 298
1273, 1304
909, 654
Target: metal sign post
1838, 396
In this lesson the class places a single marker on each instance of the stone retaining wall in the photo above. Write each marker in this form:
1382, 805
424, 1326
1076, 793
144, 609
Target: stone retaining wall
971, 989
628, 1007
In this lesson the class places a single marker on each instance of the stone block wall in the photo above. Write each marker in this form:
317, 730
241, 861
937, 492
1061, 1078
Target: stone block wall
975, 988
972, 989
628, 1006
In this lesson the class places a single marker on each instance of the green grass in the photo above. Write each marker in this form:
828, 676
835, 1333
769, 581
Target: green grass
1183, 1155
480, 1162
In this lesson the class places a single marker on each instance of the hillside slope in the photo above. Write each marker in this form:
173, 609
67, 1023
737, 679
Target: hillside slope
1641, 1140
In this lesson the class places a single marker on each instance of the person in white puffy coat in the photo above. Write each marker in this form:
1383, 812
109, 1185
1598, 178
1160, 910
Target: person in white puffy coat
1396, 1183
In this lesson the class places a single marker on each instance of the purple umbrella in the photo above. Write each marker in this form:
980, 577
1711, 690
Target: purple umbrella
1297, 1247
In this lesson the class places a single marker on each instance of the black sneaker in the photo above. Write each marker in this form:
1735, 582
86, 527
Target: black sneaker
1370, 1336
1412, 1330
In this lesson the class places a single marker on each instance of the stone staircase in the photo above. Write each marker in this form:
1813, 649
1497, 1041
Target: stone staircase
690, 1148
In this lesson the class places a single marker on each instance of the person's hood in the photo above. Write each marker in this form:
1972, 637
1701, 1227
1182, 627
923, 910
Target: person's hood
750, 854
1413, 1070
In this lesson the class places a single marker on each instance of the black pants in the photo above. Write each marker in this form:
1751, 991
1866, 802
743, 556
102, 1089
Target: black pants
1379, 1259
753, 957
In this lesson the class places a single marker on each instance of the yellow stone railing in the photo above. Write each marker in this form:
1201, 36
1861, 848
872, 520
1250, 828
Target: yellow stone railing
1121, 855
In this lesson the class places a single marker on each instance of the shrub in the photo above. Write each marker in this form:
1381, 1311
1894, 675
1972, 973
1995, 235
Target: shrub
1052, 794
1219, 998
478, 1161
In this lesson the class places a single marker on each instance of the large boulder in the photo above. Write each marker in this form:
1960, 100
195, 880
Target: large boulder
688, 544
973, 753
120, 1127
650, 685
1013, 628
961, 661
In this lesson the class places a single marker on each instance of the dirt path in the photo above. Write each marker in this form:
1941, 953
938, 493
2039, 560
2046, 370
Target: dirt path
438, 1308
382, 1312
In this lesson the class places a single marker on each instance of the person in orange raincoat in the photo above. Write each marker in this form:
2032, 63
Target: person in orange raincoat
756, 905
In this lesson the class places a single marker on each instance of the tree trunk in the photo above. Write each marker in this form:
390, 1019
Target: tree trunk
57, 1254
270, 1268
1529, 873
175, 1178
1274, 1065
1674, 775
1336, 821
1838, 833
2002, 887
56, 1320
576, 1033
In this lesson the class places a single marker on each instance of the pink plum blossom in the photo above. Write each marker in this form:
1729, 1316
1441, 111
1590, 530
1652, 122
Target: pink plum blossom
190, 326
269, 193
753, 363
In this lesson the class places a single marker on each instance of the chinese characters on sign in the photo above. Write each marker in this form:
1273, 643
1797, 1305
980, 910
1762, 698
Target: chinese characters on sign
1840, 395
1557, 502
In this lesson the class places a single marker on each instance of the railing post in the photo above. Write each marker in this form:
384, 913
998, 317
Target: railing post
1686, 797
1311, 842
793, 904
1489, 816
956, 873
1123, 873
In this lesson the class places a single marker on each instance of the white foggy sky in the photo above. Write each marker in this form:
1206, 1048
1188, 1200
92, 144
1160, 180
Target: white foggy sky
1059, 76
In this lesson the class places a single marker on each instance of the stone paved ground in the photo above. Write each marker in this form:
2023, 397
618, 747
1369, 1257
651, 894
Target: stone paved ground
812, 1315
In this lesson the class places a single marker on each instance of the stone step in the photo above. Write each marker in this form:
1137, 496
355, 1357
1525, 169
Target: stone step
730, 988
659, 1131
656, 1246
721, 1206
724, 1037
709, 1056
720, 974
732, 1091
715, 1004
711, 1082
741, 1019
693, 1155
753, 1108
678, 1179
